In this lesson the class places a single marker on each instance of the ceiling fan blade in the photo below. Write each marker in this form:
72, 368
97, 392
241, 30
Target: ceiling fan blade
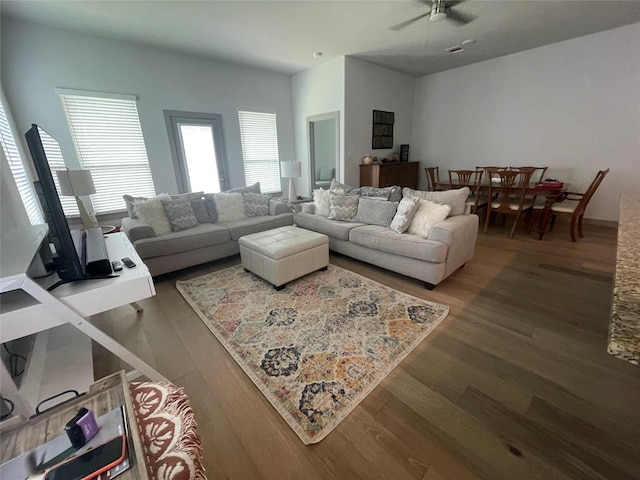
460, 18
406, 23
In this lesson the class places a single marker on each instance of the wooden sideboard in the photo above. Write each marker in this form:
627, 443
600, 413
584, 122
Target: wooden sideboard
404, 174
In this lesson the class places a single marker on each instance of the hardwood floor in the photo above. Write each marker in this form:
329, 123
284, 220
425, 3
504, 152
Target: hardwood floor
515, 383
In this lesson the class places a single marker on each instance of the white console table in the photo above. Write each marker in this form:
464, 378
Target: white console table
28, 308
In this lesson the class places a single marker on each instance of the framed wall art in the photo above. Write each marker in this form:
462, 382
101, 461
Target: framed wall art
382, 129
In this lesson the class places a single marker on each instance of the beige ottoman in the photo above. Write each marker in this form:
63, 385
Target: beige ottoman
284, 254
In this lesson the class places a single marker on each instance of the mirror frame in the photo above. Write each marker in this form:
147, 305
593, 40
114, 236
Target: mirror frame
310, 133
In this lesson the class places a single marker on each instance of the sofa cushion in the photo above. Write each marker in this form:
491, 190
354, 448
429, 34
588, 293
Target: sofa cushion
375, 212
456, 199
128, 200
210, 204
180, 213
343, 207
386, 240
255, 204
406, 210
229, 206
203, 235
393, 193
343, 189
200, 210
152, 213
255, 188
428, 214
247, 226
332, 228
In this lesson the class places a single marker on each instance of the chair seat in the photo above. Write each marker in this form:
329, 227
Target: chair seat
514, 206
559, 207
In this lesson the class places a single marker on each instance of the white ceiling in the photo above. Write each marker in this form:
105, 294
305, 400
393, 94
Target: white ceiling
283, 35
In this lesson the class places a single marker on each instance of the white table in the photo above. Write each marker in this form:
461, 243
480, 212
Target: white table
28, 308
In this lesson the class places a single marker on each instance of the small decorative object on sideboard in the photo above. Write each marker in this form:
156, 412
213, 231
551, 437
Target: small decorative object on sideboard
367, 159
404, 153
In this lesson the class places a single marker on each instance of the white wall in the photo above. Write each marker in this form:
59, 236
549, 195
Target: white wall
317, 91
36, 59
370, 87
573, 106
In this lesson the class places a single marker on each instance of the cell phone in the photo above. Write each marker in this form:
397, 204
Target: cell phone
91, 463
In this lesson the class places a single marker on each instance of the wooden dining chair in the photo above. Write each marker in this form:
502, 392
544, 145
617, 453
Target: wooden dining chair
508, 196
473, 180
536, 177
575, 204
433, 178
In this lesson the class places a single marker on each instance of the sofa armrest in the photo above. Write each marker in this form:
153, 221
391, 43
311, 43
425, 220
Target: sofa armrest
136, 229
460, 234
277, 207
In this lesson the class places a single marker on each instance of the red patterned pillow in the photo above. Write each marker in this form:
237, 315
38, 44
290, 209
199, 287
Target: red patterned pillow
168, 430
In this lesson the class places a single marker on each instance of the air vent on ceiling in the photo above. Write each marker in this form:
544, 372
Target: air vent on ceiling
455, 49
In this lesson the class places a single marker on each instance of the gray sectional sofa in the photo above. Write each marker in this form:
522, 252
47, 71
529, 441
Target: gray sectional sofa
449, 245
202, 243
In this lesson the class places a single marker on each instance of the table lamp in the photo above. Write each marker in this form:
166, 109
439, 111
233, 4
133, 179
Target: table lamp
291, 170
78, 183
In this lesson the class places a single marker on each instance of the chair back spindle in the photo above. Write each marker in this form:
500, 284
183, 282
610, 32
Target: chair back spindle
433, 178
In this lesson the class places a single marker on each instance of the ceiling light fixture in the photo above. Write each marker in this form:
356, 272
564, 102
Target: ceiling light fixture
317, 54
438, 11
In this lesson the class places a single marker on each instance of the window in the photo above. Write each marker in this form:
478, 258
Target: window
198, 151
259, 137
16, 165
108, 139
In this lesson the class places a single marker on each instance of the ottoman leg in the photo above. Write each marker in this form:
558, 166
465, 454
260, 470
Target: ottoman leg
279, 287
323, 269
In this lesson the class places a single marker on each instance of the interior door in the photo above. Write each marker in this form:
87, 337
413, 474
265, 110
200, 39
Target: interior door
198, 151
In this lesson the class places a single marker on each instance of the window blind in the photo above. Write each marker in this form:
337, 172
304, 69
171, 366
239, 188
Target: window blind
108, 140
11, 152
259, 137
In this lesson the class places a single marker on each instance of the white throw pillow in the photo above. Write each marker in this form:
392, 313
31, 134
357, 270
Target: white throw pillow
152, 213
322, 201
230, 206
428, 214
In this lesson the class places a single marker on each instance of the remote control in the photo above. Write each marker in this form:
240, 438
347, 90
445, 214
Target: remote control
128, 262
117, 265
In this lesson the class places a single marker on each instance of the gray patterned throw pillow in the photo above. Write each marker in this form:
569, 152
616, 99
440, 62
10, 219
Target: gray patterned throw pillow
255, 204
179, 213
343, 207
375, 212
406, 210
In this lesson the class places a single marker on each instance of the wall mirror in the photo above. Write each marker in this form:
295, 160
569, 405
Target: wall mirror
324, 145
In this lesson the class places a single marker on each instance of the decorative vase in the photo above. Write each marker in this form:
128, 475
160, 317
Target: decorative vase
367, 159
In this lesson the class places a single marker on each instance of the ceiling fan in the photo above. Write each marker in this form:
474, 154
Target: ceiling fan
439, 10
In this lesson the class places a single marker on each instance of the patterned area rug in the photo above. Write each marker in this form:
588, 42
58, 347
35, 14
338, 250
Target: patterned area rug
317, 347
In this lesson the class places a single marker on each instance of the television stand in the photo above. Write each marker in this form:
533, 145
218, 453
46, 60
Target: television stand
33, 309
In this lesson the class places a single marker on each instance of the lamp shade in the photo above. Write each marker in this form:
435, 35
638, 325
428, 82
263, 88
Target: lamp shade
76, 182
291, 169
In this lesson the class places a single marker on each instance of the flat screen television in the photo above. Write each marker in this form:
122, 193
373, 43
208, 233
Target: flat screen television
70, 256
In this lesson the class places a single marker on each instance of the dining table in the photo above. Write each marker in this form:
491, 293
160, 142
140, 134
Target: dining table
551, 192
